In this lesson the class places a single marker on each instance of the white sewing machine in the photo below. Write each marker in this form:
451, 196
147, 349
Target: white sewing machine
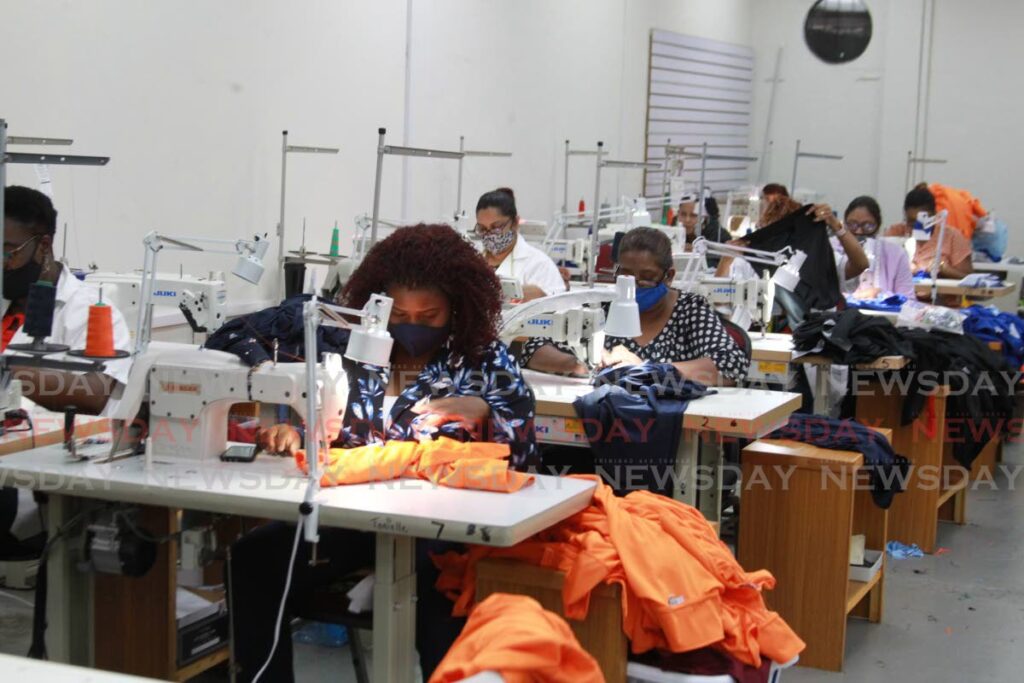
190, 392
203, 301
577, 318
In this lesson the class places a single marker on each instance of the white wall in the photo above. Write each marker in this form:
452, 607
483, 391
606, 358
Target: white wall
866, 109
189, 100
524, 76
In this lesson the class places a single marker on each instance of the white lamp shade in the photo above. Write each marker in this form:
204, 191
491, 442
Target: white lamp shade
623, 320
624, 314
370, 346
249, 269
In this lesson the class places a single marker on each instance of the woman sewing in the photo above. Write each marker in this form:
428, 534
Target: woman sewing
511, 256
449, 375
677, 328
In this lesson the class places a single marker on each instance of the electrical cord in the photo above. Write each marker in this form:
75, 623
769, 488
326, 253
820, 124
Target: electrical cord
284, 600
142, 534
15, 598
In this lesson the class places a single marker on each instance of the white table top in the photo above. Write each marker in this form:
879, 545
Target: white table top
272, 488
1002, 267
773, 346
36, 671
732, 411
951, 286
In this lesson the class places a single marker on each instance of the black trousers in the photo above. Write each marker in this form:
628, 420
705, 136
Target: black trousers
259, 564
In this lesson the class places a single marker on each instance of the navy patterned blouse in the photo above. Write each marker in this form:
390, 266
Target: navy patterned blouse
496, 379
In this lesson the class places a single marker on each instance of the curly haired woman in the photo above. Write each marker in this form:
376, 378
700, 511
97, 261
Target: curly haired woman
449, 375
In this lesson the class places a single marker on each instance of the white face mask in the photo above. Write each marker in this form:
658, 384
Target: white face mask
497, 242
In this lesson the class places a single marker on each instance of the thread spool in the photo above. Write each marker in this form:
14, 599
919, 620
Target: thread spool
334, 242
42, 297
99, 336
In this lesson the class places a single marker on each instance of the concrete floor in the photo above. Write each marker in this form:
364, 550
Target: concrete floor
958, 616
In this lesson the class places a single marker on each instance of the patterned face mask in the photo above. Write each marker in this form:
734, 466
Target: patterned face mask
497, 242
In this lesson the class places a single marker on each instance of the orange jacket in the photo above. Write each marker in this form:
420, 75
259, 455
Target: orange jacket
446, 462
514, 636
682, 587
964, 208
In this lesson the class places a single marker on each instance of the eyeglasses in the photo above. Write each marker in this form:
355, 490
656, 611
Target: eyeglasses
639, 282
8, 255
857, 226
484, 230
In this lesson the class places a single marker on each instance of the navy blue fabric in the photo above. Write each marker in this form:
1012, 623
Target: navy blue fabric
252, 336
989, 324
888, 469
633, 421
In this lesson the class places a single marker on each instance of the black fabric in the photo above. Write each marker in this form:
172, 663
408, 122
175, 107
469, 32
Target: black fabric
850, 337
888, 470
633, 421
252, 336
819, 281
982, 388
259, 563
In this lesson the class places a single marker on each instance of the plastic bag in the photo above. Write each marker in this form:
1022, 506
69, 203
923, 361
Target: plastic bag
917, 314
991, 238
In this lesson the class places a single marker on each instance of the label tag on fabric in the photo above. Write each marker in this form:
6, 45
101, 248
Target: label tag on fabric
674, 600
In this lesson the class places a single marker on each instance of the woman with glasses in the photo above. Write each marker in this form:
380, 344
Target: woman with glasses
675, 327
497, 226
889, 270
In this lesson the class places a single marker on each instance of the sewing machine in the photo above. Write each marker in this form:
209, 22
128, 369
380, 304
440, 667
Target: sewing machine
577, 318
743, 301
190, 391
203, 301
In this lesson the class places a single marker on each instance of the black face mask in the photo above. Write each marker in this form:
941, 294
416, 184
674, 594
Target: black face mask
418, 339
18, 280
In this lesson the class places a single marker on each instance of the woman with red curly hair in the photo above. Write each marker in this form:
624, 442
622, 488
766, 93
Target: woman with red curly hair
449, 375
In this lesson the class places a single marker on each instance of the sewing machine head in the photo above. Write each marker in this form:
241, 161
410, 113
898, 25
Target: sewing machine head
190, 391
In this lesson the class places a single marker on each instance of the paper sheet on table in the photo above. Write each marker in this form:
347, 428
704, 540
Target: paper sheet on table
360, 597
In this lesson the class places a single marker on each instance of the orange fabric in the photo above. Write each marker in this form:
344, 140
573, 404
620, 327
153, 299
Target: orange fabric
682, 587
446, 462
964, 208
11, 324
514, 636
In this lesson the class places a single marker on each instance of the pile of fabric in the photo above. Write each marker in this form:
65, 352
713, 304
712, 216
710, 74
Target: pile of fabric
850, 337
682, 588
887, 469
990, 324
982, 384
633, 421
512, 635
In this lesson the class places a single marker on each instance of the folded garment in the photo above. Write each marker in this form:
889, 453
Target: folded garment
981, 280
512, 635
888, 469
446, 462
682, 588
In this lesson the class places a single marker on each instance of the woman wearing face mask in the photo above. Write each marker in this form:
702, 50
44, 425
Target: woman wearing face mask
677, 328
497, 225
449, 376
889, 271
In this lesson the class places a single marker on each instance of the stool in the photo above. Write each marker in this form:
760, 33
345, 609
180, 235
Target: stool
798, 527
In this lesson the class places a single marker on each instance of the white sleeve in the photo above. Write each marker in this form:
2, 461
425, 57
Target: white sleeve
544, 273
